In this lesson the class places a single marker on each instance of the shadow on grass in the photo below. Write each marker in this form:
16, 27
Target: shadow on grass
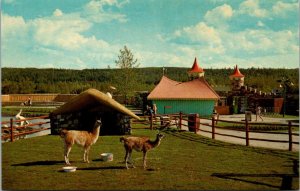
286, 184
99, 168
40, 163
103, 168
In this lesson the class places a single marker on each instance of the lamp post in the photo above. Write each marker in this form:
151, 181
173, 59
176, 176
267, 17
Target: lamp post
284, 82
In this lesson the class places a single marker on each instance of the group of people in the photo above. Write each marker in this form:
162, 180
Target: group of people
151, 110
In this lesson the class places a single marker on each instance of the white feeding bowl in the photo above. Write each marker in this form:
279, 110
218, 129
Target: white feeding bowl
69, 168
107, 156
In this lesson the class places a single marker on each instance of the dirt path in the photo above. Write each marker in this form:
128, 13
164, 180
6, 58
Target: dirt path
274, 145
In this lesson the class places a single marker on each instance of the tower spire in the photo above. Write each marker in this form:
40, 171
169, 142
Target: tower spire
196, 71
237, 79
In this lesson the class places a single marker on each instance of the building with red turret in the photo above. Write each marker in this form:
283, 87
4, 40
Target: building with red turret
237, 79
242, 98
193, 96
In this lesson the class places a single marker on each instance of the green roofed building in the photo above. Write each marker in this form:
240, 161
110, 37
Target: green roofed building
194, 96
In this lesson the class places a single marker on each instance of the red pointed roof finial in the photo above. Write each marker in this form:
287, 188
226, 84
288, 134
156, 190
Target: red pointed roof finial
195, 68
236, 72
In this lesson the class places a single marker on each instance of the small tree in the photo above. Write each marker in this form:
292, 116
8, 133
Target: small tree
126, 77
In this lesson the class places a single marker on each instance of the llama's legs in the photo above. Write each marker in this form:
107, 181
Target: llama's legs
130, 152
67, 152
144, 159
126, 158
86, 154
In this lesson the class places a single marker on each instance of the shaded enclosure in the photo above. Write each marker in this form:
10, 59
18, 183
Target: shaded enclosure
81, 112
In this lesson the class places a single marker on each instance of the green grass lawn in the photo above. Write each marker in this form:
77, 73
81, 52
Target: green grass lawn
183, 161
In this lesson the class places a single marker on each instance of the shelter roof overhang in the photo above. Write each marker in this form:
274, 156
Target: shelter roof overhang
93, 100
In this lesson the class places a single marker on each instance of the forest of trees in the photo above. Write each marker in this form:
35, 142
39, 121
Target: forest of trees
65, 81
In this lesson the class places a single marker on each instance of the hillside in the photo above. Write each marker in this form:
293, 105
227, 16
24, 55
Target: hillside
33, 80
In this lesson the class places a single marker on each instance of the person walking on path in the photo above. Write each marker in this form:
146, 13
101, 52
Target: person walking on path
154, 109
258, 112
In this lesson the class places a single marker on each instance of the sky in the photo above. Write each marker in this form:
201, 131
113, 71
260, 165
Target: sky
88, 34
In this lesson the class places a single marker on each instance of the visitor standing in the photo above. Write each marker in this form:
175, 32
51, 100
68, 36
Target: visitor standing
258, 110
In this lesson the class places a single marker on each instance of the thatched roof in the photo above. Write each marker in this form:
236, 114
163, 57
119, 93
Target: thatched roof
93, 100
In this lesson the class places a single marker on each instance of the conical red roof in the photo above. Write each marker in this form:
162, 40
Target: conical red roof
236, 72
195, 68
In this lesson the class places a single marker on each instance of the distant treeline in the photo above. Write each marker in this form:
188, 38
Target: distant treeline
33, 80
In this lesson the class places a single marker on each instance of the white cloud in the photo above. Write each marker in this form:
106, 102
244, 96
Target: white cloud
252, 8
260, 24
282, 9
62, 32
12, 25
219, 14
261, 42
202, 32
53, 42
57, 13
94, 11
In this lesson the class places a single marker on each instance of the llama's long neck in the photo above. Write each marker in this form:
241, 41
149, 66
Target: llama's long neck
155, 143
95, 132
19, 113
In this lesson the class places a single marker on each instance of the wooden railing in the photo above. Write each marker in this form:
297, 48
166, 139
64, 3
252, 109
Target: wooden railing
10, 130
194, 124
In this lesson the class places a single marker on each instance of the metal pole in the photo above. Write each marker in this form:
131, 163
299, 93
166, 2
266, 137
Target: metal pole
180, 120
213, 128
11, 130
247, 132
195, 124
284, 98
151, 121
290, 137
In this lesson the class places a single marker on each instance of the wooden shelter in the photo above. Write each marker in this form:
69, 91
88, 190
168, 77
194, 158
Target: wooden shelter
81, 111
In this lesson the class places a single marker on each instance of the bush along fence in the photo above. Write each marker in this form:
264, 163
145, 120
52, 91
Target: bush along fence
197, 125
15, 129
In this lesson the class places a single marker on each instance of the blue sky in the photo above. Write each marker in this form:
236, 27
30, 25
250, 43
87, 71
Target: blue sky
79, 34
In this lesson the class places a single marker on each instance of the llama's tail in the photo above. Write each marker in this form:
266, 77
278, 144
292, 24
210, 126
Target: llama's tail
63, 133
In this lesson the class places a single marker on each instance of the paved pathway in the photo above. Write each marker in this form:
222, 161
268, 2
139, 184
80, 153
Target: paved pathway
240, 117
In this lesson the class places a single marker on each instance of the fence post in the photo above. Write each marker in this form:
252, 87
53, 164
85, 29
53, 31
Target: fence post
195, 122
11, 130
290, 137
247, 132
180, 120
213, 128
151, 121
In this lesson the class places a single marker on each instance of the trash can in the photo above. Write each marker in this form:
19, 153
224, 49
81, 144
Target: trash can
248, 115
192, 120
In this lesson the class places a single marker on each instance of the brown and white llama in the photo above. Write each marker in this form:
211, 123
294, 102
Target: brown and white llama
82, 138
143, 144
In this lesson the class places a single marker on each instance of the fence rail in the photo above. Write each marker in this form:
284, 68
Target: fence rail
194, 123
13, 130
